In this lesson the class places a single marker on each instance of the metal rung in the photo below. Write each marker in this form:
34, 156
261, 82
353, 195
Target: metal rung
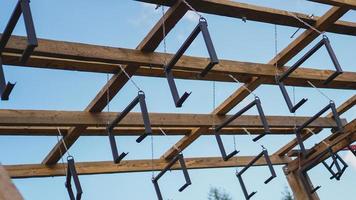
264, 154
203, 28
22, 7
179, 158
140, 98
72, 173
298, 130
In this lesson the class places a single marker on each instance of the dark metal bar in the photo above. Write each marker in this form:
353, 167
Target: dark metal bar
334, 60
201, 27
298, 130
32, 42
22, 6
180, 159
140, 98
264, 154
5, 88
15, 16
72, 173
178, 101
222, 148
145, 117
292, 108
291, 69
209, 45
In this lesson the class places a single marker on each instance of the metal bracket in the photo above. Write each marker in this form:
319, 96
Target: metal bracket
201, 27
181, 161
298, 130
264, 154
146, 120
22, 6
5, 88
335, 161
72, 172
325, 41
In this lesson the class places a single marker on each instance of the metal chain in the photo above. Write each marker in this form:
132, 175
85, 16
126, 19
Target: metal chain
214, 103
129, 77
191, 8
164, 35
276, 51
305, 23
152, 157
237, 81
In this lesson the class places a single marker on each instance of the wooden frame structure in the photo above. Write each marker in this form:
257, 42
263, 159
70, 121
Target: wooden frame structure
143, 61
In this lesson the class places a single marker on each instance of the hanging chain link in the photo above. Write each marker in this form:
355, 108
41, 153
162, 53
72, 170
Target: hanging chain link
191, 8
305, 23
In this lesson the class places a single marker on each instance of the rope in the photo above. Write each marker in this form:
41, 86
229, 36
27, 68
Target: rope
64, 143
311, 131
306, 24
129, 77
248, 132
191, 8
237, 81
60, 151
164, 133
321, 92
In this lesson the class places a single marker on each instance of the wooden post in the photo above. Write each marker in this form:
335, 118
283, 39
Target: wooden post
298, 189
8, 190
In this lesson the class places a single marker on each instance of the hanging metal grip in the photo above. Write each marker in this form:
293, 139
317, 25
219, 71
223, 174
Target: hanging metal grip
264, 154
337, 161
181, 161
72, 173
325, 41
201, 27
139, 99
22, 6
298, 130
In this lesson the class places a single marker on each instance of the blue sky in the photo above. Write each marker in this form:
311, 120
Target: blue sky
124, 24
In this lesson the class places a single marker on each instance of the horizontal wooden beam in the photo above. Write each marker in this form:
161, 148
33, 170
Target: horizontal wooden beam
342, 3
130, 131
260, 14
82, 118
338, 141
108, 167
93, 58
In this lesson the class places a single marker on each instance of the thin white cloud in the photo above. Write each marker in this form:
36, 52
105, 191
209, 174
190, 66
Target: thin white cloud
350, 159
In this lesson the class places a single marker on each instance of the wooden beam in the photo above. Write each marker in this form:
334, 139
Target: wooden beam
341, 3
126, 166
8, 190
281, 59
338, 141
306, 134
128, 131
148, 44
82, 118
93, 58
260, 14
